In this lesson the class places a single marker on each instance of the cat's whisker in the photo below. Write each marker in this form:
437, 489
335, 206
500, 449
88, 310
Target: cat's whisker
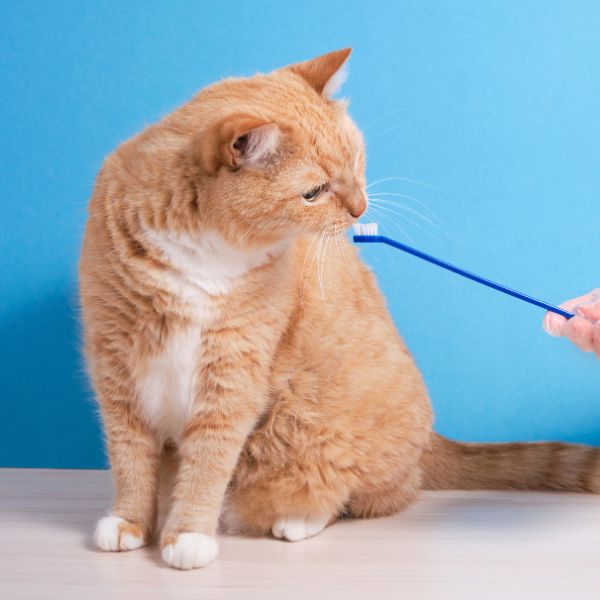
330, 247
341, 246
379, 210
326, 253
405, 218
349, 258
408, 179
324, 263
408, 197
312, 241
399, 205
304, 278
337, 237
319, 247
327, 259
385, 115
412, 222
383, 230
319, 265
383, 132
409, 220
315, 258
326, 240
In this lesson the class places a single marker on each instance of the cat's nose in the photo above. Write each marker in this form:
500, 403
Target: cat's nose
357, 206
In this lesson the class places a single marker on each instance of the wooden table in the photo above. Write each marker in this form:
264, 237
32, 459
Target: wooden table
449, 545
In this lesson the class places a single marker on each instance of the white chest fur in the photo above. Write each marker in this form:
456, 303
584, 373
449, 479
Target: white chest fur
199, 268
205, 263
168, 382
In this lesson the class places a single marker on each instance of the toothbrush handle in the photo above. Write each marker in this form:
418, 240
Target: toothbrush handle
440, 263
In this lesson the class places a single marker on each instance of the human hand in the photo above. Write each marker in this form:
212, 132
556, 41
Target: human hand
584, 328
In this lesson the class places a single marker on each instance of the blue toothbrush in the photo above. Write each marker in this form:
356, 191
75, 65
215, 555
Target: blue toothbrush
367, 234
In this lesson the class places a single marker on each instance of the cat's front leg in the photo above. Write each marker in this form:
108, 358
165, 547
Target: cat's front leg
209, 447
134, 457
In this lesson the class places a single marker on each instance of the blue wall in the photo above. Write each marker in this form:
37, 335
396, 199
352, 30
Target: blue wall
494, 105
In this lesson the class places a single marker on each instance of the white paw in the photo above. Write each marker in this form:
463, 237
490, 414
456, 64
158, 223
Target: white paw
115, 534
295, 529
190, 551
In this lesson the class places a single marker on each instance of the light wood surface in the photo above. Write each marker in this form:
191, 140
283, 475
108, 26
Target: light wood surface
449, 545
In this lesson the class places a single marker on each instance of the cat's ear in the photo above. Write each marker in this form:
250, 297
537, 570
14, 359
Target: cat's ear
325, 73
238, 141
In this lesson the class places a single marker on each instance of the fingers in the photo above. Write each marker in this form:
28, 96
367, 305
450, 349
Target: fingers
586, 306
554, 324
570, 305
584, 328
590, 310
581, 332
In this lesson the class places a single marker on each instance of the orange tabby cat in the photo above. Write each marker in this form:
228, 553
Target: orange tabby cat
230, 327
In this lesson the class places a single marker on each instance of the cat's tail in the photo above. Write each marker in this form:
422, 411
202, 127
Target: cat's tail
531, 466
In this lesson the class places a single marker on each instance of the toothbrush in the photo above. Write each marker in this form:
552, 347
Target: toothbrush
366, 233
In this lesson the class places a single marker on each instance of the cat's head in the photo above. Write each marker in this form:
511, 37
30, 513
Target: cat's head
278, 156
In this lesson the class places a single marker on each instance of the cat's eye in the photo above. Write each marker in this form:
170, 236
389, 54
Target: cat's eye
313, 193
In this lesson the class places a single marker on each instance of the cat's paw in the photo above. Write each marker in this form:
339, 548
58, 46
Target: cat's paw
115, 534
189, 550
295, 529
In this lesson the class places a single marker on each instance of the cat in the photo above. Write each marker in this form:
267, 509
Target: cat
231, 330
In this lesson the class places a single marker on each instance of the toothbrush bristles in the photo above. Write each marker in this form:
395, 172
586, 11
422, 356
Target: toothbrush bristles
365, 229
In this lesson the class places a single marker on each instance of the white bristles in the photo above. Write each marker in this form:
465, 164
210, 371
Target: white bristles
365, 228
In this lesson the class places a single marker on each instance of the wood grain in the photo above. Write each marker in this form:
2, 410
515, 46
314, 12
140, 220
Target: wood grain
449, 545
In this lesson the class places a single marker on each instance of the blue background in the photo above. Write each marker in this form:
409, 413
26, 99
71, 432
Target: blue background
494, 105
